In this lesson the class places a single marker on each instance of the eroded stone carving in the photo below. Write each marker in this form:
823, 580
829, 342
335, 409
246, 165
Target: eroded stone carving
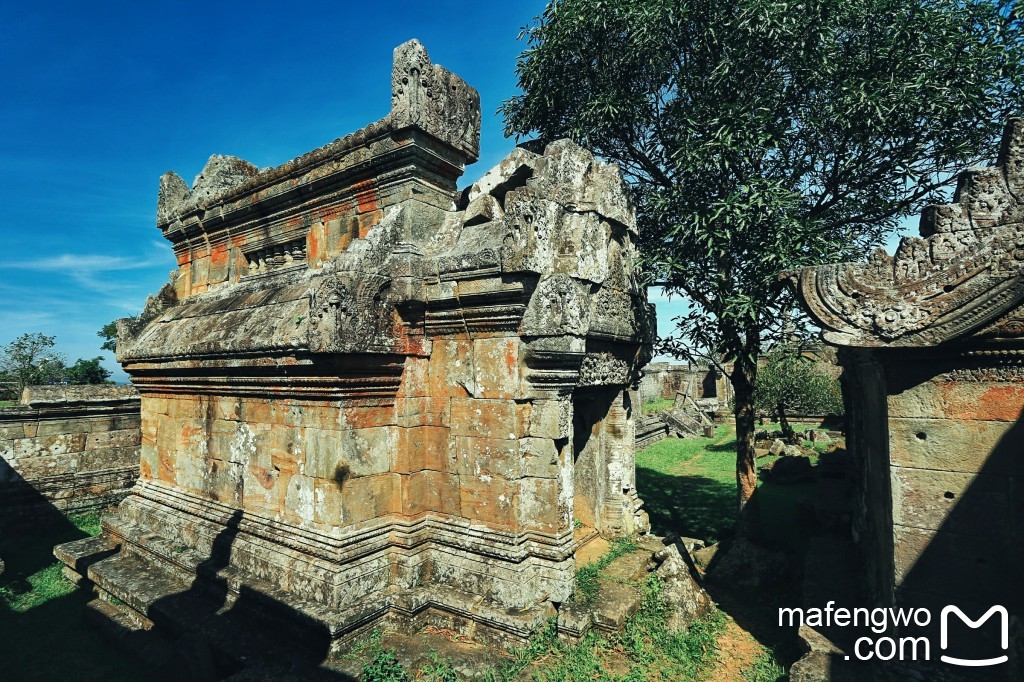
932, 348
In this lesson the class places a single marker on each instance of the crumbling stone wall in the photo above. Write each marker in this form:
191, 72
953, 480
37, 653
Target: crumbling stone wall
665, 379
367, 385
932, 341
69, 448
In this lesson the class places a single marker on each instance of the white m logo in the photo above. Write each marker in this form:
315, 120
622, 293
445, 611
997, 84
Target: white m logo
974, 624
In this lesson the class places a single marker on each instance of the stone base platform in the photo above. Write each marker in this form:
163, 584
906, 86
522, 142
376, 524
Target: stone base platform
215, 627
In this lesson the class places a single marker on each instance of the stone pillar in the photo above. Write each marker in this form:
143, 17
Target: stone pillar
932, 348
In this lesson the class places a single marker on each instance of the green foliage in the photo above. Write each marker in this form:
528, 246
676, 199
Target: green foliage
689, 485
384, 667
108, 333
87, 522
87, 372
764, 135
796, 383
44, 585
30, 360
587, 577
438, 669
645, 648
40, 607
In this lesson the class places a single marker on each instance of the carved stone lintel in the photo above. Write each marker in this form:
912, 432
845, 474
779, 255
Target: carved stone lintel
964, 273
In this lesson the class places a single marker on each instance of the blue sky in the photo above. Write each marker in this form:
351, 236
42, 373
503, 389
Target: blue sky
99, 99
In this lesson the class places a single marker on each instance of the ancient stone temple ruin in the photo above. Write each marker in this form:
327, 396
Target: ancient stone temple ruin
370, 399
932, 345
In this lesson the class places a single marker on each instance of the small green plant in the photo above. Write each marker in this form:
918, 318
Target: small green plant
384, 667
587, 577
368, 647
577, 524
645, 644
438, 669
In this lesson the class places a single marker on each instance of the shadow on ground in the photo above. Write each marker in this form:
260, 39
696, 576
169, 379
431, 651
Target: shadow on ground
43, 624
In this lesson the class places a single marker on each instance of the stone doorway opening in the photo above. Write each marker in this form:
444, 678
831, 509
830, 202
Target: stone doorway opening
592, 443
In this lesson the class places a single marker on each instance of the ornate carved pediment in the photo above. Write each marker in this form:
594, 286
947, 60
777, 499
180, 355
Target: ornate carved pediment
966, 270
351, 314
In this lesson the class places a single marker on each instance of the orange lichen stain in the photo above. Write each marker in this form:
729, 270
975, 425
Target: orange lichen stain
265, 478
1004, 403
368, 220
315, 244
165, 466
219, 255
369, 417
997, 403
238, 240
512, 357
184, 257
188, 432
366, 196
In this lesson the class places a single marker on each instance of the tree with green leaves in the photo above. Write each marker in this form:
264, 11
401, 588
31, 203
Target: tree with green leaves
30, 360
87, 372
789, 380
108, 333
765, 135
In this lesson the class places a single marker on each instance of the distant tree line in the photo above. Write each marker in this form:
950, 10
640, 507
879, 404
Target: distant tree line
30, 360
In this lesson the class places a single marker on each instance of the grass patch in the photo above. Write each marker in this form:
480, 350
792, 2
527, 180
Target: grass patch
655, 406
41, 612
765, 669
587, 577
644, 650
689, 485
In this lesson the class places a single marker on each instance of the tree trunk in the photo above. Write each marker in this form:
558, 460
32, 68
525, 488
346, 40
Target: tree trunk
787, 428
743, 377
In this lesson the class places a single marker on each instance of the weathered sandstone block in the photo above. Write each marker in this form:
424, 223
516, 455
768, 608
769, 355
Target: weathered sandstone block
67, 448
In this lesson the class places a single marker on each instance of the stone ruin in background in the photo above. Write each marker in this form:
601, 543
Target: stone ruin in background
370, 400
700, 396
66, 449
932, 345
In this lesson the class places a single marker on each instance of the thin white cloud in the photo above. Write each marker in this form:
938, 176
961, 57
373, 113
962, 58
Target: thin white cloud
70, 263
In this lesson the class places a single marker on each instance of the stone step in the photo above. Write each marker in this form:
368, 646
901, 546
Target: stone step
615, 602
234, 627
632, 567
618, 595
78, 555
